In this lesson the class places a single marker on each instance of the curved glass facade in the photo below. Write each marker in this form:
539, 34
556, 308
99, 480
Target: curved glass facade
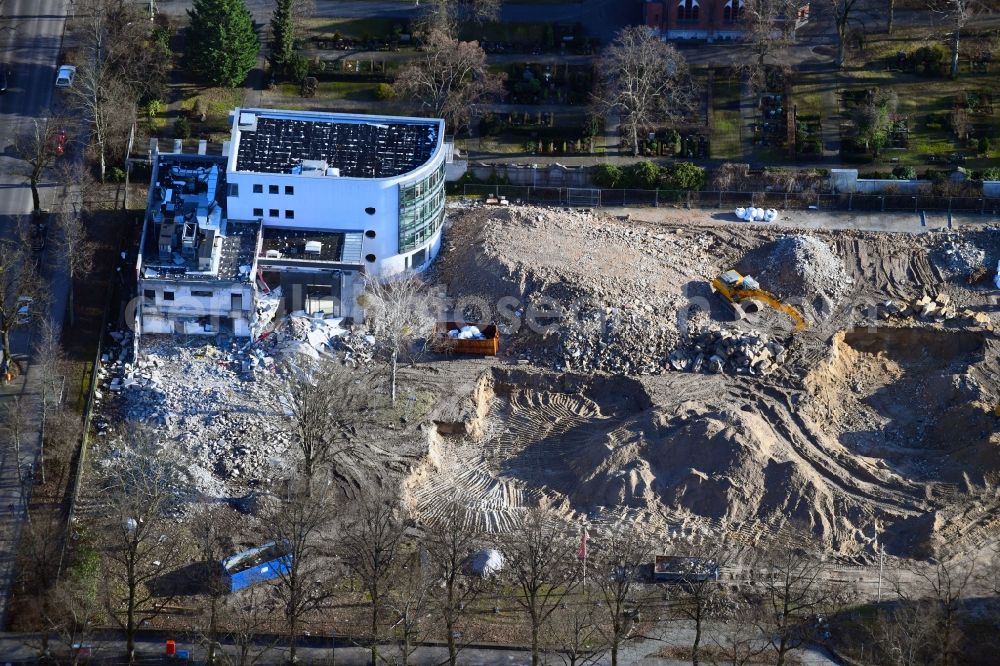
421, 210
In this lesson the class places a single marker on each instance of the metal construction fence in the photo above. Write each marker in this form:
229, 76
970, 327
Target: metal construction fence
595, 197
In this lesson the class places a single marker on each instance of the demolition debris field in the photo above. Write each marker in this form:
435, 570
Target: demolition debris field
634, 395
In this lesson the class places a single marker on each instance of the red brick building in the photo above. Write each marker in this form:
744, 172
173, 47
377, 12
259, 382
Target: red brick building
701, 19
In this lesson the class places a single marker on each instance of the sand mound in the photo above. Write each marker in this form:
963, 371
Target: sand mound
804, 267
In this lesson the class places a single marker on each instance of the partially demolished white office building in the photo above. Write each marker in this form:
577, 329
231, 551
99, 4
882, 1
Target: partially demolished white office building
308, 202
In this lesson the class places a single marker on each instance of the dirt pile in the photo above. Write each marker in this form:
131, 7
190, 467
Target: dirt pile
575, 290
804, 267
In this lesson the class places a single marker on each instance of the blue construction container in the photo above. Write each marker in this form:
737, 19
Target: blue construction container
257, 564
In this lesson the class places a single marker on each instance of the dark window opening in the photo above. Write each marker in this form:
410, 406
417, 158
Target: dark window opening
201, 294
149, 296
370, 233
370, 210
258, 212
289, 189
289, 214
236, 302
272, 189
258, 189
168, 295
273, 212
370, 258
419, 258
234, 189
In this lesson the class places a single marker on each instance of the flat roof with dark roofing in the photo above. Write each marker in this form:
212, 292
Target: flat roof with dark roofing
358, 149
335, 246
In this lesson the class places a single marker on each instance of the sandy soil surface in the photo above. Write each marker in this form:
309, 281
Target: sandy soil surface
872, 426
876, 422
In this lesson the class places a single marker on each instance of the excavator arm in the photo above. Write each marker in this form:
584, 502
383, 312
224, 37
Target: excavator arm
774, 302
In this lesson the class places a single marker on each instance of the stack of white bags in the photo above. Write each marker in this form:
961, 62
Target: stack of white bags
466, 333
757, 214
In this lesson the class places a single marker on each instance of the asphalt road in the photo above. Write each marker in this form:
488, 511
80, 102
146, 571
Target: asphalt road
31, 47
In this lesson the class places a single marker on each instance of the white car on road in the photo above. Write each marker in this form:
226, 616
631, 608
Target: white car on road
65, 76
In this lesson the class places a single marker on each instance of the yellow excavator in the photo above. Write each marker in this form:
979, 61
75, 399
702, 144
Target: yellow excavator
744, 295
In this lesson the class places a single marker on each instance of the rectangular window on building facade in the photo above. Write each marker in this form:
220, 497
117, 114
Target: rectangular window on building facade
289, 214
168, 295
201, 294
419, 258
234, 189
258, 212
258, 188
273, 212
289, 189
272, 189
236, 301
149, 296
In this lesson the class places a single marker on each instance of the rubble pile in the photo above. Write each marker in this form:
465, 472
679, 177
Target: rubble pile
616, 341
229, 431
715, 349
957, 257
938, 309
804, 267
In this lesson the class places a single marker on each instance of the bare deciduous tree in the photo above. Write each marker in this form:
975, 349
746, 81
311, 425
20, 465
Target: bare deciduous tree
299, 521
575, 632
451, 80
75, 251
325, 404
940, 587
697, 596
36, 145
770, 27
619, 558
398, 313
409, 601
843, 14
371, 544
448, 544
142, 485
956, 15
446, 15
249, 614
20, 294
737, 640
644, 81
122, 62
541, 566
793, 589
904, 634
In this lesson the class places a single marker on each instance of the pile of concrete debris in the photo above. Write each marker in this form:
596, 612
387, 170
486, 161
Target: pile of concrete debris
715, 349
228, 430
805, 267
958, 257
633, 342
937, 309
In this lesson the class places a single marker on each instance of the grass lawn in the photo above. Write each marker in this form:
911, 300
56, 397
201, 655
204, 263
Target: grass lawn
725, 141
334, 90
918, 99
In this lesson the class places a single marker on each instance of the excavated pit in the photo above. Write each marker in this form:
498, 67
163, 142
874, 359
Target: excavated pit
916, 398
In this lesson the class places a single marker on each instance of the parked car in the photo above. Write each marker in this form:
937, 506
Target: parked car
65, 76
59, 142
24, 309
